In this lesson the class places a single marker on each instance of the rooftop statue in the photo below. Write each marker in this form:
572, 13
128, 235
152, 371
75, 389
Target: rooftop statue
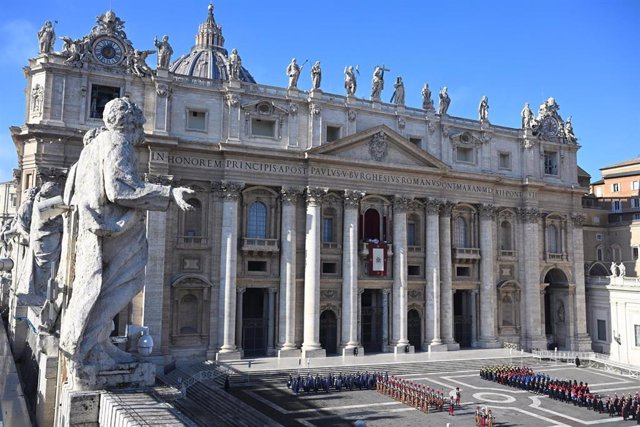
137, 62
445, 101
377, 82
427, 102
235, 64
483, 109
108, 23
398, 93
46, 38
164, 51
110, 246
527, 117
568, 131
316, 76
350, 82
293, 71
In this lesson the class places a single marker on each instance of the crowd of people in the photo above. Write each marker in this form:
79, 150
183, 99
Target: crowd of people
325, 383
568, 391
417, 395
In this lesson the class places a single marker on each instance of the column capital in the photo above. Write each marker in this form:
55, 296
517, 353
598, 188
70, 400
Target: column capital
432, 206
158, 179
360, 291
446, 206
228, 190
475, 291
401, 203
315, 195
578, 219
290, 195
352, 198
487, 211
240, 290
529, 215
386, 291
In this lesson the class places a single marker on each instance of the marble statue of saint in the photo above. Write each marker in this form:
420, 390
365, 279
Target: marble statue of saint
293, 71
111, 201
483, 109
568, 131
164, 51
614, 269
622, 270
427, 102
398, 93
445, 101
350, 82
138, 62
316, 76
377, 83
527, 117
235, 63
46, 38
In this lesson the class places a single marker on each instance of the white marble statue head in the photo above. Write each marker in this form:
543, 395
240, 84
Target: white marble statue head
121, 114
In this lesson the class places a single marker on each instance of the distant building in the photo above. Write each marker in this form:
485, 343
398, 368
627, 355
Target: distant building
7, 200
612, 236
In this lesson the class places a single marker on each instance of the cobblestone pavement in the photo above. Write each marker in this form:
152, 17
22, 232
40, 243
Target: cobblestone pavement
267, 392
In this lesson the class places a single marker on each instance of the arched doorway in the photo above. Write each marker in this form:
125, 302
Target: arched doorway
415, 329
372, 225
556, 309
329, 331
254, 323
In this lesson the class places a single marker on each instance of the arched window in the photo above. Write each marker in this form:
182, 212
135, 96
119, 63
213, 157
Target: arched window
257, 221
188, 315
505, 236
371, 225
553, 240
193, 222
599, 253
460, 232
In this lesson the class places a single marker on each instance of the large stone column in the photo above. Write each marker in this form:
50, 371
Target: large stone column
271, 320
400, 279
287, 309
487, 278
581, 340
311, 338
432, 291
385, 319
446, 277
534, 337
228, 260
350, 294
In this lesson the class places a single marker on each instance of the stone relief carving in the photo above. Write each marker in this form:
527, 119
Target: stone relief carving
415, 294
232, 99
487, 211
164, 51
110, 247
352, 115
350, 80
137, 62
378, 146
316, 194
401, 203
316, 76
445, 101
329, 294
162, 89
290, 194
293, 109
46, 38
402, 123
37, 95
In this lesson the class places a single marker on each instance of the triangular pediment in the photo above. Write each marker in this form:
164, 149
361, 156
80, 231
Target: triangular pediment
379, 145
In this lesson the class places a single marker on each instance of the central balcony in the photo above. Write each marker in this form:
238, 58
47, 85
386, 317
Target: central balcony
256, 245
466, 253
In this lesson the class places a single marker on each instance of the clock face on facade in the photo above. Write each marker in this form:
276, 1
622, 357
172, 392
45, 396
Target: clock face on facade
108, 51
549, 127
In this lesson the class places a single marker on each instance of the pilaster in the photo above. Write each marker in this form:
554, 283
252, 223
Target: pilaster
580, 340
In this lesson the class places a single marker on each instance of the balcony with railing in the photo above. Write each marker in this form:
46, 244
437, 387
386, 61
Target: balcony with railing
332, 246
465, 253
414, 250
507, 254
192, 242
258, 245
556, 256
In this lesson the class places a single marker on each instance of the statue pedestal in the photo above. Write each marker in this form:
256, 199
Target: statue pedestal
162, 72
135, 374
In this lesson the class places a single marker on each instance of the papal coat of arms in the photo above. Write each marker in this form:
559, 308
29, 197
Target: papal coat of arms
378, 146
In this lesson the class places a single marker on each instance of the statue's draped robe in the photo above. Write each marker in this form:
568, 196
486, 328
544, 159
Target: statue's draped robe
109, 269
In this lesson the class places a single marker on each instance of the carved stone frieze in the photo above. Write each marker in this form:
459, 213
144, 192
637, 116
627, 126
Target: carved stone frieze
37, 94
378, 146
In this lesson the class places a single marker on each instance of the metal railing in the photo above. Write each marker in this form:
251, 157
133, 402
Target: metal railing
196, 378
592, 358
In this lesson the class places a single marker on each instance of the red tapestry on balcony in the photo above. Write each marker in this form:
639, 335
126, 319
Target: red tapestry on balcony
377, 259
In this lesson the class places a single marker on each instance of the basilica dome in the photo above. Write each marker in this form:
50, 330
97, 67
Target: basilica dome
208, 58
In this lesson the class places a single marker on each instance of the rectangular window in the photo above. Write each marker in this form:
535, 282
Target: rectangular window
550, 163
263, 127
257, 266
635, 185
413, 270
465, 155
636, 329
100, 95
616, 206
416, 141
196, 120
327, 229
635, 203
504, 161
602, 330
463, 271
599, 236
333, 133
411, 234
598, 192
329, 268
634, 251
615, 187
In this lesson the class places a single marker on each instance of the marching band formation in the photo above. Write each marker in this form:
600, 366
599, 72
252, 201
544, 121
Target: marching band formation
568, 391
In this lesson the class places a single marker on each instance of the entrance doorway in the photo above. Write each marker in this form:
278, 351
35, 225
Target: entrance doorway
329, 332
254, 322
462, 318
415, 329
556, 309
371, 320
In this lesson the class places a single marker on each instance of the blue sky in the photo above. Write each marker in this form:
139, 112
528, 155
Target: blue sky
586, 54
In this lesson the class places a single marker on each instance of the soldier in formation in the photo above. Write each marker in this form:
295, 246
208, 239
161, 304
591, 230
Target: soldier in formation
419, 396
324, 383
